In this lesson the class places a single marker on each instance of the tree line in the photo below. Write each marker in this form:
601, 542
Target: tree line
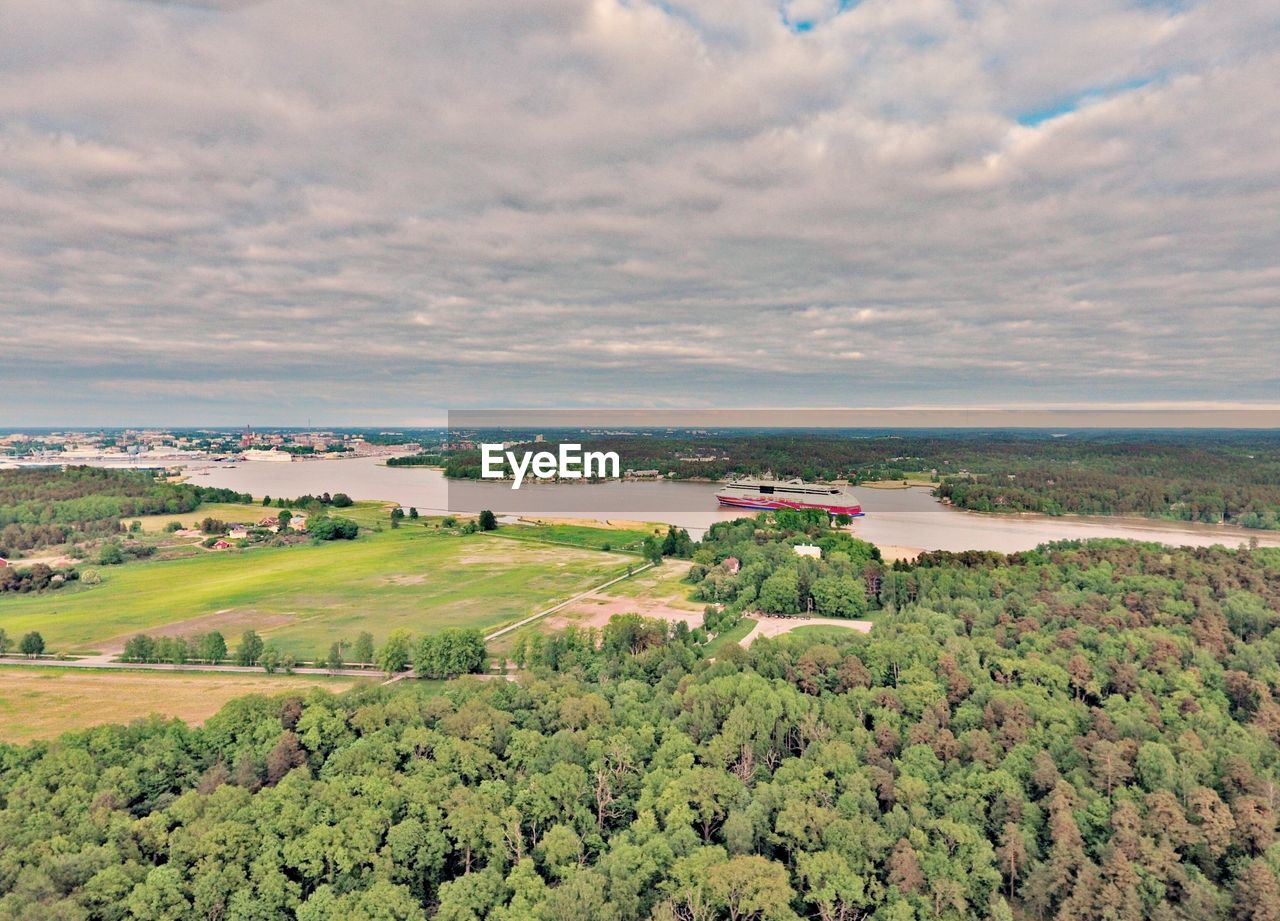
30, 645
415, 460
447, 654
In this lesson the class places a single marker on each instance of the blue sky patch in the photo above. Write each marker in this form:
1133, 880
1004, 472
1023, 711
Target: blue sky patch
1071, 103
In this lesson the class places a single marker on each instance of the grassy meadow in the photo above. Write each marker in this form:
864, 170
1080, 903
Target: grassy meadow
825, 633
734, 635
304, 597
626, 539
40, 703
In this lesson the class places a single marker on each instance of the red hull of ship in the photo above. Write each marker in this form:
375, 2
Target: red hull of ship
762, 504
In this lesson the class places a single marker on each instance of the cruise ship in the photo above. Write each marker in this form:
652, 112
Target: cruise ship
772, 494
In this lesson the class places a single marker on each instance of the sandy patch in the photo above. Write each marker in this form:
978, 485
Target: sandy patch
54, 561
610, 524
407, 580
776, 626
892, 552
595, 609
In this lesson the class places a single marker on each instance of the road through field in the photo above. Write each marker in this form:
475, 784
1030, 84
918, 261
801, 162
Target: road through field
109, 660
563, 604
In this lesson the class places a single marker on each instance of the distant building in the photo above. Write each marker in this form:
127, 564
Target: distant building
808, 550
731, 565
238, 532
222, 545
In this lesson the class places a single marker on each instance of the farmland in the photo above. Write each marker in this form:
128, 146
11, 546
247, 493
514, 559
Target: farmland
418, 577
40, 703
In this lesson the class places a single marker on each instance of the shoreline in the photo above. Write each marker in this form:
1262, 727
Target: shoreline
1130, 521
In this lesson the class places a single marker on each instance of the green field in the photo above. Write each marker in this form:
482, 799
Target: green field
733, 635
579, 536
305, 597
824, 633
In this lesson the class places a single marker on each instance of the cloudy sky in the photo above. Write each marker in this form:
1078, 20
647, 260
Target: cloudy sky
371, 211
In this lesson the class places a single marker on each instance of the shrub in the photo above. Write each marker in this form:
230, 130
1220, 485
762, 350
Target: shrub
333, 528
110, 555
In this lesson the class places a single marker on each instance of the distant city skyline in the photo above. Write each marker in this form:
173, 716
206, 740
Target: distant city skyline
371, 213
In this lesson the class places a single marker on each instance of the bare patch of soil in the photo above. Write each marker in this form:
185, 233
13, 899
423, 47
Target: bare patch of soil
407, 580
596, 609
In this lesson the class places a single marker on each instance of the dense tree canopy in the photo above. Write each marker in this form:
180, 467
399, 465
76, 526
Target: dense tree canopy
41, 506
1083, 731
752, 564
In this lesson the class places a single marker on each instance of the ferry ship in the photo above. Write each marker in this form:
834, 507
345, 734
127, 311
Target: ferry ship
772, 494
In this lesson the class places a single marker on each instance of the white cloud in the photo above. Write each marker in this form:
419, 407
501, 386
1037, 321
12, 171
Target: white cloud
377, 204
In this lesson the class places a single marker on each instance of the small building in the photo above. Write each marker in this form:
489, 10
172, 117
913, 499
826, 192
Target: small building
731, 565
298, 522
221, 545
238, 531
810, 550
271, 521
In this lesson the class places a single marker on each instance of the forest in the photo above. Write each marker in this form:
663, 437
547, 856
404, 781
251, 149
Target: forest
1225, 476
47, 506
751, 564
1087, 730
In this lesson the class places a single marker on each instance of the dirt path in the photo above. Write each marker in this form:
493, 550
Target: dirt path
564, 604
596, 608
106, 660
53, 561
776, 626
